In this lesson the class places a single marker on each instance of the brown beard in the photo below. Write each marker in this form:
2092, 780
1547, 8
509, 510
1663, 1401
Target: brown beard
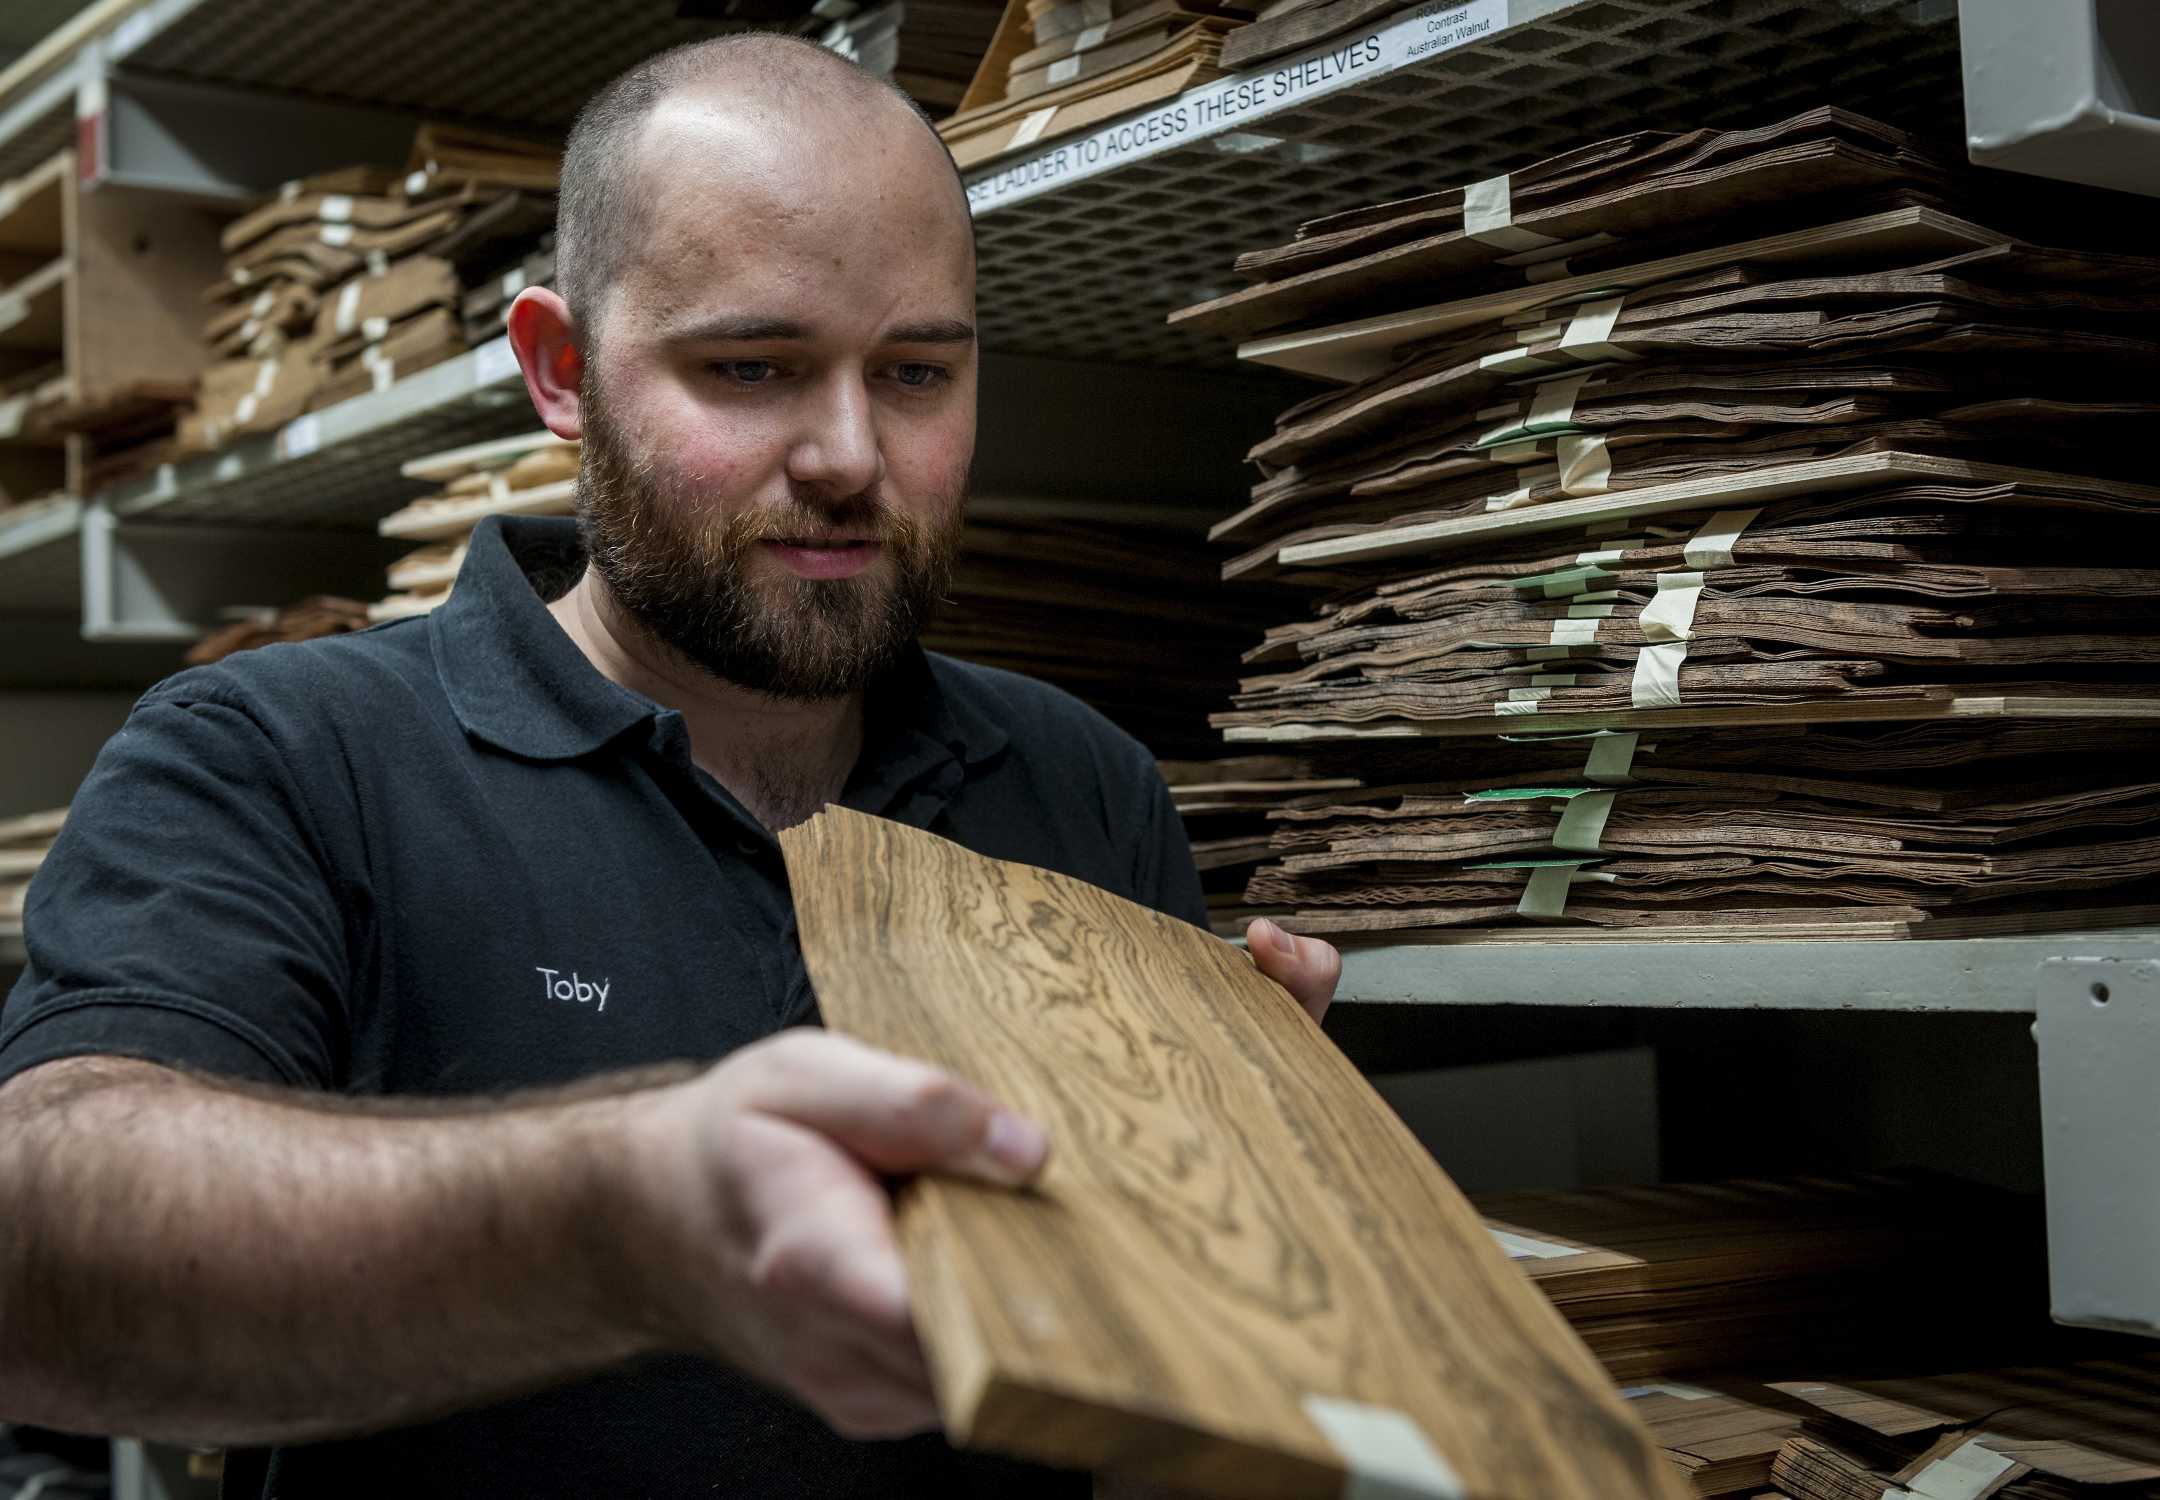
682, 569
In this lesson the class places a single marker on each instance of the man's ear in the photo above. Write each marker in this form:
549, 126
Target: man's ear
544, 338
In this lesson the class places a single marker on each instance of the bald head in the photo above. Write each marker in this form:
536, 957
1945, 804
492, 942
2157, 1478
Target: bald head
762, 106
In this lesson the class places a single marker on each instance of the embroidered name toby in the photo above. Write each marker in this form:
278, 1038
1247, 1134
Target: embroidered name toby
582, 991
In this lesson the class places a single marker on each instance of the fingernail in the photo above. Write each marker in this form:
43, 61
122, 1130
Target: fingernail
1018, 1145
1272, 934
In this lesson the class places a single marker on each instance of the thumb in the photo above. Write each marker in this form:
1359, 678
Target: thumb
1307, 967
892, 1113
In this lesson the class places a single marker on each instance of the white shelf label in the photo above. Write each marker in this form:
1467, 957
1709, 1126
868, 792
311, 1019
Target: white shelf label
302, 436
494, 361
1435, 27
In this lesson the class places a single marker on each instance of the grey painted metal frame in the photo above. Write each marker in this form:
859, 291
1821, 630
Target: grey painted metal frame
1944, 975
2099, 1035
2065, 88
152, 583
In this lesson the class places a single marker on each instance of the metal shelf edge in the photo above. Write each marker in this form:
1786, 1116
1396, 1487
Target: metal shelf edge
1969, 975
477, 369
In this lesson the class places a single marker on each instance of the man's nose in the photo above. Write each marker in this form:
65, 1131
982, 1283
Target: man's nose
837, 451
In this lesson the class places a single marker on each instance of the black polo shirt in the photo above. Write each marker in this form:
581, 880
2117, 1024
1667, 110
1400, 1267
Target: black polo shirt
446, 856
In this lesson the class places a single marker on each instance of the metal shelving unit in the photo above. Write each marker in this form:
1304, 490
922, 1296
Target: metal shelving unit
338, 467
1087, 243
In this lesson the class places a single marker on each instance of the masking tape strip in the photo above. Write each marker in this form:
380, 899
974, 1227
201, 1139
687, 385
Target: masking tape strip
1587, 333
1488, 216
375, 330
1528, 694
1573, 632
513, 282
1521, 451
1387, 1454
264, 301
245, 410
1678, 1392
383, 374
336, 209
13, 309
1712, 546
287, 191
348, 307
1545, 896
1092, 37
265, 377
1671, 615
1552, 404
337, 234
1590, 611
1656, 683
1033, 126
1583, 824
1964, 1473
1522, 1247
415, 184
11, 414
1521, 494
378, 263
1585, 464
1514, 707
1064, 70
1612, 759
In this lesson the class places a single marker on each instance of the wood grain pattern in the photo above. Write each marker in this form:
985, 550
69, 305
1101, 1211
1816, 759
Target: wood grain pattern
1232, 1223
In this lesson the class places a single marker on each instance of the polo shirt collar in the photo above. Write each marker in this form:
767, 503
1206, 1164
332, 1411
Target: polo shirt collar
516, 679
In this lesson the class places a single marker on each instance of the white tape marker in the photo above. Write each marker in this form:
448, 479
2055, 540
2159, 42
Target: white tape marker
1522, 1247
1585, 464
348, 307
1032, 127
1612, 759
1964, 1473
1064, 70
1573, 632
11, 414
336, 209
1092, 37
1588, 331
1489, 217
1388, 1455
1656, 683
1583, 824
1671, 615
1712, 546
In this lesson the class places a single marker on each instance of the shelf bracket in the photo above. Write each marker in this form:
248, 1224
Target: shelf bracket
2099, 1036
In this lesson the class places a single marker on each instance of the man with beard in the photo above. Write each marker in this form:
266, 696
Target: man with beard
347, 1110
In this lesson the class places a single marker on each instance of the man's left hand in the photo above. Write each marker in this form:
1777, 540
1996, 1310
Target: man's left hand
1307, 967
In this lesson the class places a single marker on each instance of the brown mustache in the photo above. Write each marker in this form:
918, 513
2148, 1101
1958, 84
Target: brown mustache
860, 519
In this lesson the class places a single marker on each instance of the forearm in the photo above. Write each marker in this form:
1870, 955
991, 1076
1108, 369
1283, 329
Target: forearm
183, 1261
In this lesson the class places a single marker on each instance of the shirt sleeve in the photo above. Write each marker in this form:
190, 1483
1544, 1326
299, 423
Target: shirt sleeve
1165, 876
186, 914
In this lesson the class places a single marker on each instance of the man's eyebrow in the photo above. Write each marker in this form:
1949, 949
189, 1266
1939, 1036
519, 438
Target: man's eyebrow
740, 328
936, 331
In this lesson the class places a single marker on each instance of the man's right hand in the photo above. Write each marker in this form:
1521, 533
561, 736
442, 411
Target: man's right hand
769, 1167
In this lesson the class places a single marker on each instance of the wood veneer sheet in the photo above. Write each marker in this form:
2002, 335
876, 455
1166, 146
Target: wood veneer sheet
1240, 1271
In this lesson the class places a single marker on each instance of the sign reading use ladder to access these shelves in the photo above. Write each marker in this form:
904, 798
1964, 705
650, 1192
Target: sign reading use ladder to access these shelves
1228, 104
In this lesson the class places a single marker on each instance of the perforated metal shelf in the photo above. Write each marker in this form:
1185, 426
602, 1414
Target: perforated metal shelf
1090, 269
338, 468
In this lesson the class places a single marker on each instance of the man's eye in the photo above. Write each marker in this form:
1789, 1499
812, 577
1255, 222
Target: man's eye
916, 376
746, 371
